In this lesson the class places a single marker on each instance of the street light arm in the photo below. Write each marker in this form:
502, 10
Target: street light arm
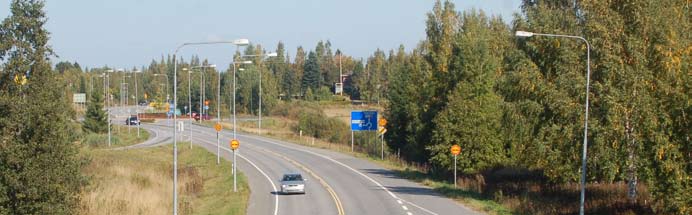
560, 35
272, 54
240, 42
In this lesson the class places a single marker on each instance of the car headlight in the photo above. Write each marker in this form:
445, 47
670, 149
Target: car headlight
283, 185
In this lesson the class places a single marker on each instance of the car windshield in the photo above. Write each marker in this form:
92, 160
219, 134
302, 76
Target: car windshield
292, 178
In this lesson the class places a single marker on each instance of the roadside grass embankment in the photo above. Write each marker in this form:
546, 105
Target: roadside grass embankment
120, 137
139, 181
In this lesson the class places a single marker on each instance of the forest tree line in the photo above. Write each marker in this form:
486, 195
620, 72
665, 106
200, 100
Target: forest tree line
507, 101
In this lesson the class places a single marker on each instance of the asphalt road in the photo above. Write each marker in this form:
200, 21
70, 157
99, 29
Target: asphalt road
337, 183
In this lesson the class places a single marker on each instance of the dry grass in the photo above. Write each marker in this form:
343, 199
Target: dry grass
140, 181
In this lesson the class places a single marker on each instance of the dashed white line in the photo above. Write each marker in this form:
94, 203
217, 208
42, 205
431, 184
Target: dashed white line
346, 166
276, 197
409, 213
399, 201
405, 208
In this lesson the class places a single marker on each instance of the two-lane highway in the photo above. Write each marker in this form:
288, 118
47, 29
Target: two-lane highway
263, 171
337, 183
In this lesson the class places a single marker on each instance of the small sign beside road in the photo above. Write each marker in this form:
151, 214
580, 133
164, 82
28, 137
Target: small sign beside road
217, 127
235, 144
79, 98
382, 122
456, 149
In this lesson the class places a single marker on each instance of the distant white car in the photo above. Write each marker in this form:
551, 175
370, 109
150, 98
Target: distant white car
292, 183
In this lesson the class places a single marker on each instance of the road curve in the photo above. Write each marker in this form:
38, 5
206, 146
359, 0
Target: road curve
263, 172
361, 186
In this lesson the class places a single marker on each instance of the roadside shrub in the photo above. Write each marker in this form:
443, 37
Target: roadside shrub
318, 125
292, 110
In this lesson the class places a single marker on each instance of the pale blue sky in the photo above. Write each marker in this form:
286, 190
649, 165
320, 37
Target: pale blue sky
127, 33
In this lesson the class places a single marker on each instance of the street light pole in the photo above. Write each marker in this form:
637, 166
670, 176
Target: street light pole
124, 103
218, 113
235, 189
175, 98
106, 98
235, 65
189, 100
259, 123
218, 144
166, 84
586, 107
201, 96
108, 108
137, 103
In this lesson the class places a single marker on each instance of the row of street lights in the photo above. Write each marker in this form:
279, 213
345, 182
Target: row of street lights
235, 63
238, 43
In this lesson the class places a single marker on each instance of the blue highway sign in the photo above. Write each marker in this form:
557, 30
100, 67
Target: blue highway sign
363, 120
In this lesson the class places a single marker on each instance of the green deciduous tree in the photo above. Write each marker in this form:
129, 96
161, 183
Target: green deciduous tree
472, 115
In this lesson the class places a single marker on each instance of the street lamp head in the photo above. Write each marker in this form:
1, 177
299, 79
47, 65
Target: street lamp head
246, 62
241, 42
184, 69
523, 34
212, 66
272, 54
241, 69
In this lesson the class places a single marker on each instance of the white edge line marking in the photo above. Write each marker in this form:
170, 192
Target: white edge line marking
344, 165
276, 196
322, 181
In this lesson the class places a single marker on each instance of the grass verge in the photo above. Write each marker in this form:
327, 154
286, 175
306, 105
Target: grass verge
139, 182
120, 136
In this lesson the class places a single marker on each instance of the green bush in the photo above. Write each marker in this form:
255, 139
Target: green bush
318, 125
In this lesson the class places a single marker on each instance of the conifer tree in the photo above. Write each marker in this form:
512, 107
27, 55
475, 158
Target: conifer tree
311, 74
38, 161
95, 119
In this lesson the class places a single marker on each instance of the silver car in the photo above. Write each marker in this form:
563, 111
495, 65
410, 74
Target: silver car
292, 183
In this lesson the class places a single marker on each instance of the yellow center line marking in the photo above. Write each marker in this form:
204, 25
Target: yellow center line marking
329, 189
